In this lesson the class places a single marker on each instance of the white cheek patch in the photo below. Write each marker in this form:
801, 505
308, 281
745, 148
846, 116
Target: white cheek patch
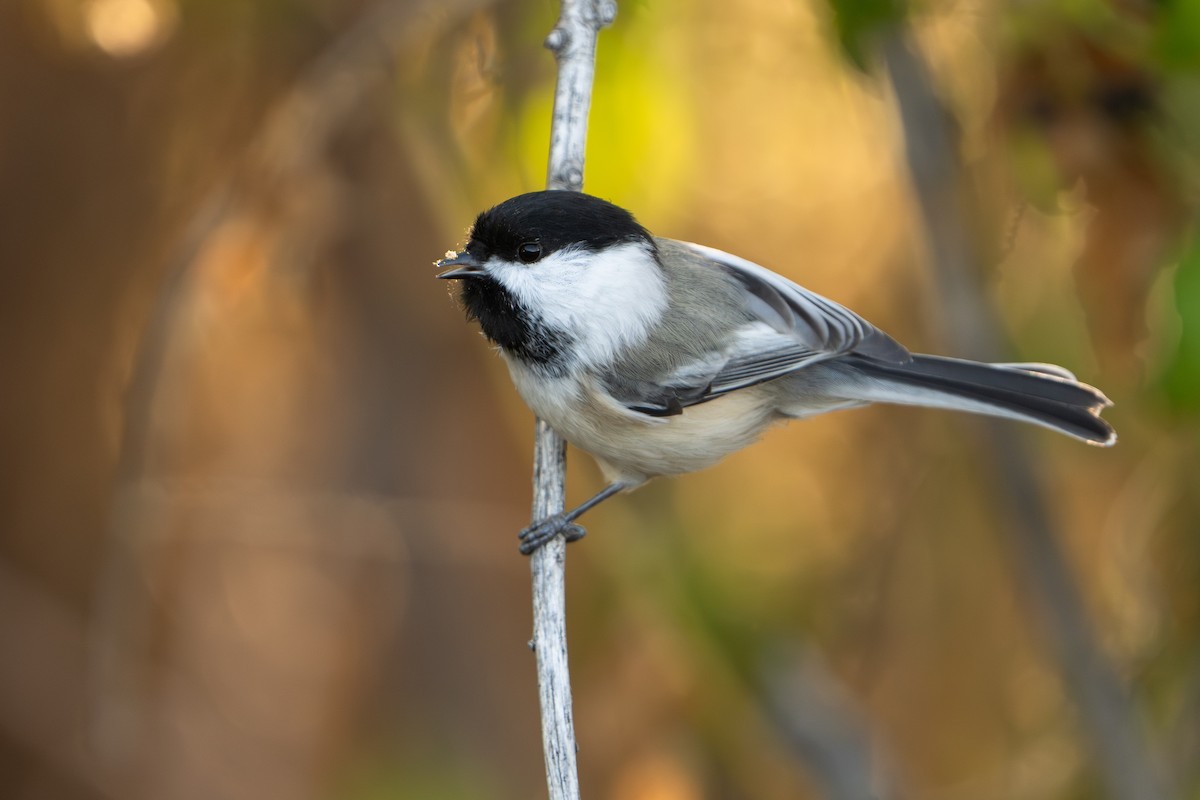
605, 301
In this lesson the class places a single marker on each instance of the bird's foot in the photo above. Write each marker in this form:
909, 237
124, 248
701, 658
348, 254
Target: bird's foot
544, 530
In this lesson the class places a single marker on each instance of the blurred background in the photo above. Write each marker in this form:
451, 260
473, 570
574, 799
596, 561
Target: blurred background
261, 482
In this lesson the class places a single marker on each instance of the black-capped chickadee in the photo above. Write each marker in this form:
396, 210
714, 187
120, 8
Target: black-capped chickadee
660, 357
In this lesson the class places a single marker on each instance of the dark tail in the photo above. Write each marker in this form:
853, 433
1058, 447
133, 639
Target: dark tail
1042, 394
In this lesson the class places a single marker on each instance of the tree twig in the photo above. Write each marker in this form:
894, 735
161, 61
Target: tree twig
818, 721
573, 42
1107, 714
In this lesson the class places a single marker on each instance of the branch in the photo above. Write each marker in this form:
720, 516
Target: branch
573, 42
817, 720
1106, 711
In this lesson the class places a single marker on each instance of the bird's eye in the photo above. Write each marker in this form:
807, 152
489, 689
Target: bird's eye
529, 252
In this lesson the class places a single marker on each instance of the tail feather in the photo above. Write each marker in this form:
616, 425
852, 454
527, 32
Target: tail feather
1037, 393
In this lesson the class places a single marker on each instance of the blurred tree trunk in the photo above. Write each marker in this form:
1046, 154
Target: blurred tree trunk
221, 378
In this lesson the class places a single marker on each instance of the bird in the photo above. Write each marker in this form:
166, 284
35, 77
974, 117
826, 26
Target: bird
660, 357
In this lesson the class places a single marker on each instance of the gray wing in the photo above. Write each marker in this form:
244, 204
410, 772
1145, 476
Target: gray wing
825, 326
789, 328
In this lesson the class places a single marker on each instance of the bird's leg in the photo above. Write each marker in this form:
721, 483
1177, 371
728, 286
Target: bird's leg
563, 522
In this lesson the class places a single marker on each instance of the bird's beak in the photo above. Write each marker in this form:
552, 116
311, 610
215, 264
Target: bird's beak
467, 266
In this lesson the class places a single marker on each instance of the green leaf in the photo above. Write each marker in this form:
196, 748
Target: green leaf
857, 21
1181, 379
1178, 34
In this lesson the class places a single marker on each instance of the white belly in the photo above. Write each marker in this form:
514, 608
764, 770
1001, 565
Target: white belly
634, 447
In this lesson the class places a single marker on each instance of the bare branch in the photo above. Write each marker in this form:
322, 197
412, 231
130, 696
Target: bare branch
573, 42
1106, 711
820, 723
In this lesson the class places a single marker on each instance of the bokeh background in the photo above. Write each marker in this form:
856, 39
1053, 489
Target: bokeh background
261, 482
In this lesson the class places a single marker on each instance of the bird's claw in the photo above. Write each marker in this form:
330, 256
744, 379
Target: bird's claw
544, 530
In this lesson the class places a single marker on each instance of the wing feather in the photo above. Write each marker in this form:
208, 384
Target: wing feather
789, 329
817, 321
